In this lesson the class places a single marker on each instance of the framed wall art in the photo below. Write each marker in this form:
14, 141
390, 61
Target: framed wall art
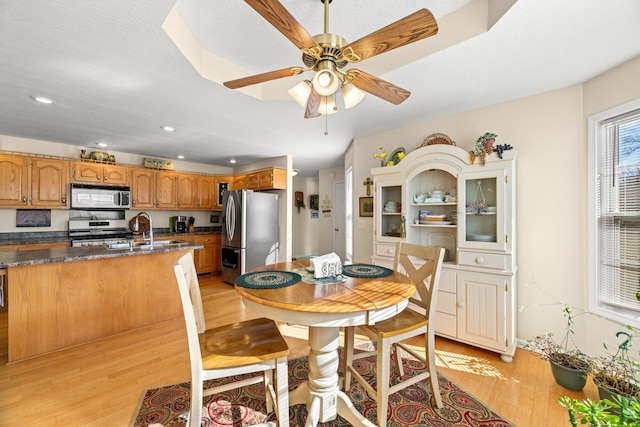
366, 206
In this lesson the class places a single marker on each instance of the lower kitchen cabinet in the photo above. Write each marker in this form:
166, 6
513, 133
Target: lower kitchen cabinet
207, 259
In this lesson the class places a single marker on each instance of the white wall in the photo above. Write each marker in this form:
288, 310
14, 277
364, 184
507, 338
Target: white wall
549, 132
306, 230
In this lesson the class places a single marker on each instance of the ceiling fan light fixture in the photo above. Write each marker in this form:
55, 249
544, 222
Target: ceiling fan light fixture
326, 82
300, 92
328, 105
351, 95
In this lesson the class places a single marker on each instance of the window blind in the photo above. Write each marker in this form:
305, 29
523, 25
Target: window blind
618, 213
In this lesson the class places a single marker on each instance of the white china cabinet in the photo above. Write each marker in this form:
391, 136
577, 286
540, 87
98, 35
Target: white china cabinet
435, 196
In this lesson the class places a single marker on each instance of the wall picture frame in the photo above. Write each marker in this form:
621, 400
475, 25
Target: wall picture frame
366, 206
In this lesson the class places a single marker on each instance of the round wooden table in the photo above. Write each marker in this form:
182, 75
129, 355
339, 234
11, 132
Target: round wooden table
324, 309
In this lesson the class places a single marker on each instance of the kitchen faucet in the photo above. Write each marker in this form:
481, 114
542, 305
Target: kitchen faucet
136, 227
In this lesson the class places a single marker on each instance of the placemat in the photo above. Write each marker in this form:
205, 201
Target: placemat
366, 270
268, 279
307, 277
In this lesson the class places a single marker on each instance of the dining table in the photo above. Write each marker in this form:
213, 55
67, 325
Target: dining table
287, 292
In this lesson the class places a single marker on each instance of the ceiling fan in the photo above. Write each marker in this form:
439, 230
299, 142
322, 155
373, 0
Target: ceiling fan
327, 54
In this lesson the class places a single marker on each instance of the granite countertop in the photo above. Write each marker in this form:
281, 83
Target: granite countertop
8, 239
48, 256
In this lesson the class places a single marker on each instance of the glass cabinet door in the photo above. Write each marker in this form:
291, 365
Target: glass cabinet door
483, 204
389, 211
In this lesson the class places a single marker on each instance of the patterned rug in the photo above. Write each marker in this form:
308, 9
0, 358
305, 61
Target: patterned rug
413, 406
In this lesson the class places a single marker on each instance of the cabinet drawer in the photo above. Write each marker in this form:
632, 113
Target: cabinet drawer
483, 259
386, 250
446, 302
445, 324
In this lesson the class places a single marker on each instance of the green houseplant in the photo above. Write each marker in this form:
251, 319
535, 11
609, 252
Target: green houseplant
570, 366
597, 413
617, 374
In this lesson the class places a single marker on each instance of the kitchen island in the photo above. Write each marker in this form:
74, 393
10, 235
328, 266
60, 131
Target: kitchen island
63, 297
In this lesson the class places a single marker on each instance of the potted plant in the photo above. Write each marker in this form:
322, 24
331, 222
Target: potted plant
598, 413
617, 374
569, 366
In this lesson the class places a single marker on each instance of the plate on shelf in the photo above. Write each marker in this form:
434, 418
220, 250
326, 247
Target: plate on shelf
482, 237
436, 223
443, 240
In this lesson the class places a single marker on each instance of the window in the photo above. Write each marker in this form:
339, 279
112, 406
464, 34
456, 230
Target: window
614, 215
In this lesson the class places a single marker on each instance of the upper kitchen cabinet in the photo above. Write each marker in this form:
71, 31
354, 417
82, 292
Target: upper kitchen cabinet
143, 188
206, 192
98, 173
14, 175
166, 190
435, 196
222, 184
240, 182
267, 179
49, 182
187, 192
33, 182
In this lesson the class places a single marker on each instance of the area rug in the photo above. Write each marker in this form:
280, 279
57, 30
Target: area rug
168, 406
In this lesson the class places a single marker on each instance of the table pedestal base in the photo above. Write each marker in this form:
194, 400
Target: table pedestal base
321, 393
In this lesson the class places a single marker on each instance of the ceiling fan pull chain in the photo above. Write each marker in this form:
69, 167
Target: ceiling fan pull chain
326, 124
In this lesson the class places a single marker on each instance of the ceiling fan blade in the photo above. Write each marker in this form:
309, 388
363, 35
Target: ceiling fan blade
417, 26
378, 87
264, 77
279, 17
313, 103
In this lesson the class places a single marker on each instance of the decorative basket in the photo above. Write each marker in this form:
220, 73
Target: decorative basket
437, 138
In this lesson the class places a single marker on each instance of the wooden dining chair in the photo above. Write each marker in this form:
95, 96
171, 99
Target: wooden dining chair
229, 350
422, 264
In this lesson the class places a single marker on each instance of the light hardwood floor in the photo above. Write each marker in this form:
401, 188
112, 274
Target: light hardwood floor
99, 384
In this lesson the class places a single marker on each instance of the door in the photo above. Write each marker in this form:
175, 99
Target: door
339, 221
14, 175
262, 230
49, 182
481, 309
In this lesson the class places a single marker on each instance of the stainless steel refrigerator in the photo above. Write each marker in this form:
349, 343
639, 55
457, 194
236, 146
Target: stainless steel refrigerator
250, 232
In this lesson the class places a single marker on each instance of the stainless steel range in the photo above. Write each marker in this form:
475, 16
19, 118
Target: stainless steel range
98, 227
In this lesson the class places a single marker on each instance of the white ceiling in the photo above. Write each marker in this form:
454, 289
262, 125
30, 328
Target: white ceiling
116, 76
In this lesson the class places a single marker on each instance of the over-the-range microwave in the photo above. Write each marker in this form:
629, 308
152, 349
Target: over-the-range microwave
88, 196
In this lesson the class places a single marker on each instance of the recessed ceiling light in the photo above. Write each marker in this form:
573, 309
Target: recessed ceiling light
102, 144
42, 99
232, 161
181, 156
167, 128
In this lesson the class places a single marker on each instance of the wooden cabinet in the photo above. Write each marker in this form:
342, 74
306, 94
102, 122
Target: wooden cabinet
97, 173
143, 188
444, 200
239, 182
222, 184
267, 179
166, 190
33, 182
187, 191
152, 189
14, 175
208, 259
49, 183
206, 192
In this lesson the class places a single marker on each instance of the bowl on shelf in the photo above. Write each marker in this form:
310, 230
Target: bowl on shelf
482, 237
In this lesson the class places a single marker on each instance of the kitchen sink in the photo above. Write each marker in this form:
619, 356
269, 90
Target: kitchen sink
147, 246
